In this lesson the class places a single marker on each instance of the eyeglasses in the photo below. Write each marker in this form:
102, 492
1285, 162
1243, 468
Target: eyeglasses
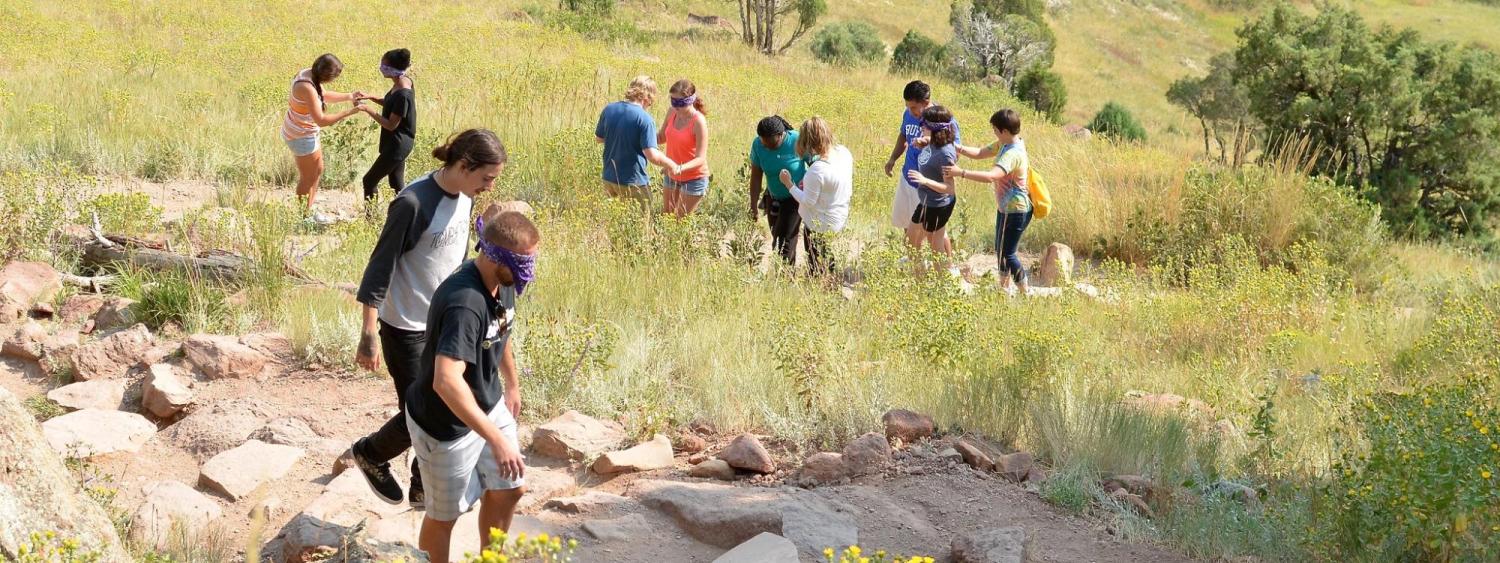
502, 316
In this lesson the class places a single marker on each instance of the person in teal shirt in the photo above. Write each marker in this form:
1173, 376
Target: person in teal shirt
774, 151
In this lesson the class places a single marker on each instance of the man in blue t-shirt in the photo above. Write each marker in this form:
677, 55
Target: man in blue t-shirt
918, 96
628, 134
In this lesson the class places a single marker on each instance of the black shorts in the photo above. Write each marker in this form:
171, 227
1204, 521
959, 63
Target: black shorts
933, 218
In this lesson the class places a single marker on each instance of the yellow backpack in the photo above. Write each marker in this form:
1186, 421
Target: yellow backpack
1036, 188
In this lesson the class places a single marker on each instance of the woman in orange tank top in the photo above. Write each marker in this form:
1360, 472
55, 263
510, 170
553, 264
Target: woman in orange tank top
306, 115
685, 134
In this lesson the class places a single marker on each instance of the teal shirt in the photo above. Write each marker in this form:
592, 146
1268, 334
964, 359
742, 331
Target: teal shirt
773, 162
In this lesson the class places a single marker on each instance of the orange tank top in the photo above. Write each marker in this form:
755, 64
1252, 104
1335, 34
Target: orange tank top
682, 146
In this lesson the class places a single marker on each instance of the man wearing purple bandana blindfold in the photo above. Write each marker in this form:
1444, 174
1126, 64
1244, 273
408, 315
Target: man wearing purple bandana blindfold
461, 415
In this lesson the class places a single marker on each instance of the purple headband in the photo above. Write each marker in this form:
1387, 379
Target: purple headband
522, 266
937, 125
389, 71
684, 102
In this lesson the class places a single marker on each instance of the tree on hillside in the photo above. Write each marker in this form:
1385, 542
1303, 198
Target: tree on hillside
763, 21
1414, 121
1221, 106
1033, 10
916, 53
1005, 48
1044, 90
1116, 122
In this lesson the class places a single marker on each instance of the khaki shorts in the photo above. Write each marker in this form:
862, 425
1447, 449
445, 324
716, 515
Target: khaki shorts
641, 194
456, 474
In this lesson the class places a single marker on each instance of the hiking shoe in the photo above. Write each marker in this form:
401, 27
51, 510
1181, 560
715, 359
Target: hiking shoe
415, 498
378, 476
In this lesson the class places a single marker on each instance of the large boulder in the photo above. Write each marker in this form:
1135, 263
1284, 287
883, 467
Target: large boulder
223, 357
746, 452
170, 504
218, 426
26, 342
907, 426
974, 455
81, 307
1016, 467
765, 547
102, 394
238, 472
25, 283
113, 355
1057, 266
164, 394
1002, 545
114, 312
92, 432
653, 454
38, 493
867, 454
727, 516
575, 436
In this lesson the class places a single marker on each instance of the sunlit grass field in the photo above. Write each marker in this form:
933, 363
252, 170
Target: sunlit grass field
1237, 288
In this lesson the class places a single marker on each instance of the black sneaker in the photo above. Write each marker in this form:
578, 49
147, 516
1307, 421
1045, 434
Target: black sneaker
414, 496
378, 476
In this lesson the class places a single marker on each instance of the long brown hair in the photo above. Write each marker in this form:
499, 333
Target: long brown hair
324, 69
472, 148
815, 139
684, 88
939, 114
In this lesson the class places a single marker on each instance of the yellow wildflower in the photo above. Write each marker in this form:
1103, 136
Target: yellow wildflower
1484, 473
828, 552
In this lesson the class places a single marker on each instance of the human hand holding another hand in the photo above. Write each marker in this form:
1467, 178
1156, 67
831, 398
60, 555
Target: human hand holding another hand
786, 178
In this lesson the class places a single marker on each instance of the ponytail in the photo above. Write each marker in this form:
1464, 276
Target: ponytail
473, 148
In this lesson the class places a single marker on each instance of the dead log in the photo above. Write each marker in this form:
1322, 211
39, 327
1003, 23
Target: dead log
109, 252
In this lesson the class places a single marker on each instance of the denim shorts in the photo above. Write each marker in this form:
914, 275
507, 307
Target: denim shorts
304, 146
696, 187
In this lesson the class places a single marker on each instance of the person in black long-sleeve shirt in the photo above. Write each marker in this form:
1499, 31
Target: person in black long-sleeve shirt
425, 238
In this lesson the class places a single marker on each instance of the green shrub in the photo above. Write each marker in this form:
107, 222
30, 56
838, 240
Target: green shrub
181, 299
599, 26
48, 547
850, 43
594, 6
1115, 121
36, 203
1044, 90
130, 214
42, 408
917, 53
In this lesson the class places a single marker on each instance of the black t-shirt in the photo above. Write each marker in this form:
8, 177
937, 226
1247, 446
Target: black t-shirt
465, 323
398, 142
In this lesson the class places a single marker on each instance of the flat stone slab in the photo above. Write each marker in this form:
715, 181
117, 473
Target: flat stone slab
624, 528
102, 394
169, 504
645, 456
764, 548
238, 472
91, 432
727, 516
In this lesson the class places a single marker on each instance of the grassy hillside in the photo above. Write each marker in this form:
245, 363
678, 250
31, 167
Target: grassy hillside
1276, 300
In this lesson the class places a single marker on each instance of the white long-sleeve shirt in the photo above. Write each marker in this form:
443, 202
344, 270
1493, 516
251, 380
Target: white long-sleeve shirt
823, 197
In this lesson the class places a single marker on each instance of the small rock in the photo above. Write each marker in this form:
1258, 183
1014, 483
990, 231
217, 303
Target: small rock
703, 427
269, 507
691, 443
586, 502
238, 472
218, 426
1003, 545
697, 458
1236, 491
114, 312
92, 432
653, 454
171, 504
951, 454
1134, 501
763, 548
163, 393
223, 357
907, 426
1036, 475
713, 469
41, 311
974, 456
624, 528
113, 355
867, 454
1057, 266
1015, 467
288, 431
26, 342
25, 283
822, 468
575, 436
1137, 485
81, 307
57, 350
746, 452
103, 394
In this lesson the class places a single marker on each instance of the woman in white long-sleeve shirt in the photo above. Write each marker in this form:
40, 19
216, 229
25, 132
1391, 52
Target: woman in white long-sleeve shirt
823, 196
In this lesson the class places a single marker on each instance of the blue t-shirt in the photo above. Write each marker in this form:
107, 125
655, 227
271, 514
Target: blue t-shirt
930, 163
627, 131
773, 162
911, 128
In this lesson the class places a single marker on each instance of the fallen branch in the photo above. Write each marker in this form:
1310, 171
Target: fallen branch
103, 252
95, 284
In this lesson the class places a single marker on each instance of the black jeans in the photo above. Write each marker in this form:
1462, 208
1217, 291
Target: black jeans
402, 350
1008, 230
819, 259
785, 223
386, 166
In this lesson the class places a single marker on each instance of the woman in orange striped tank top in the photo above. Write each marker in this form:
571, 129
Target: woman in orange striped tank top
306, 115
685, 134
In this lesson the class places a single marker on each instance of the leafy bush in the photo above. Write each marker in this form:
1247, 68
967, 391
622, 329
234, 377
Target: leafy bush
1044, 90
599, 26
48, 547
1117, 122
42, 408
917, 53
175, 298
595, 6
542, 548
849, 43
130, 214
36, 203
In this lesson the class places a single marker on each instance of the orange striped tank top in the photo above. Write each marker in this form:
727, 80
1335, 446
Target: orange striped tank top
299, 122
